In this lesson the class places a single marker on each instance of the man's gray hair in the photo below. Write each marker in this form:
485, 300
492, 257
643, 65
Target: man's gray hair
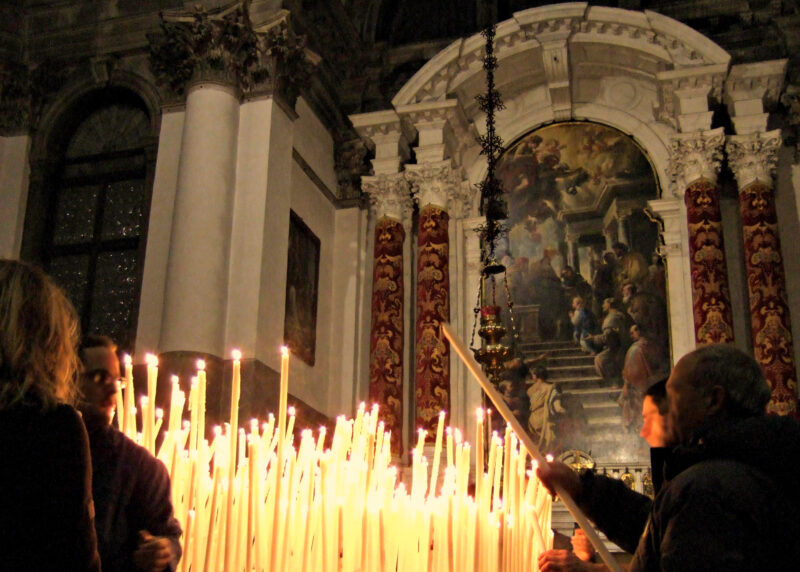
747, 392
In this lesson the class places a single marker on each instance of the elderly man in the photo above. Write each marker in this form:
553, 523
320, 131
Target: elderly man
136, 529
731, 500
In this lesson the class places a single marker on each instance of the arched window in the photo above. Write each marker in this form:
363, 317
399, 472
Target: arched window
96, 223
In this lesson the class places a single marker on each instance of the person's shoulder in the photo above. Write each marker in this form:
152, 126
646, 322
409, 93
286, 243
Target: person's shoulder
139, 456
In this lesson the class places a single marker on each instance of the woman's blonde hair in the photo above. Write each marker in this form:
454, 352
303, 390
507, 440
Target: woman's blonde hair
39, 335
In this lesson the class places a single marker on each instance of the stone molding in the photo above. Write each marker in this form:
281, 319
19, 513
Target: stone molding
443, 129
673, 220
762, 79
222, 46
694, 156
389, 196
677, 88
387, 136
754, 157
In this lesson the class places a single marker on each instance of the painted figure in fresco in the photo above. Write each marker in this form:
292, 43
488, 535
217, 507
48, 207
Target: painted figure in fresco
603, 282
645, 364
583, 321
610, 345
547, 292
543, 398
574, 284
631, 267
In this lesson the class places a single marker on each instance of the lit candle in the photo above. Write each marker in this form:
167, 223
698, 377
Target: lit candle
437, 453
130, 422
152, 380
478, 452
201, 412
282, 399
234, 433
120, 408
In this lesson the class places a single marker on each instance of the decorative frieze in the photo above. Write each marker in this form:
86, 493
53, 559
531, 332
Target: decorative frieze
694, 156
754, 157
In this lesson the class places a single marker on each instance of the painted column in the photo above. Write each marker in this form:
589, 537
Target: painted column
753, 159
432, 353
391, 199
695, 161
390, 339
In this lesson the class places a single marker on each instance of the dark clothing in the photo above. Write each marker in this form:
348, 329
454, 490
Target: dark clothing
45, 491
730, 503
131, 493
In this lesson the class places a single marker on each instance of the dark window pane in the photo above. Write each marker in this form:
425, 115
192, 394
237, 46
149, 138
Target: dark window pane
122, 217
72, 274
75, 215
113, 295
111, 128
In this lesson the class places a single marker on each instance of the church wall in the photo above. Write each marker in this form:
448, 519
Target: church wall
14, 171
159, 230
350, 318
787, 198
313, 143
313, 384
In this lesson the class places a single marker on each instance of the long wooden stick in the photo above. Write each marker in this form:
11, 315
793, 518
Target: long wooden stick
501, 406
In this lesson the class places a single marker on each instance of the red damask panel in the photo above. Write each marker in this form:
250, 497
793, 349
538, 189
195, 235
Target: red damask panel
713, 319
386, 336
433, 307
769, 313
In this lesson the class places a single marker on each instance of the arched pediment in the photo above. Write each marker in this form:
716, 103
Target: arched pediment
595, 40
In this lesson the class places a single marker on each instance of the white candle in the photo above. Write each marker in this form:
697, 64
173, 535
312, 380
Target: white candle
234, 433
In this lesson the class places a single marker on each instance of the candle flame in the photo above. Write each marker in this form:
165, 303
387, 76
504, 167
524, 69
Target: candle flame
127, 359
151, 360
285, 351
175, 379
549, 458
159, 412
237, 355
291, 411
201, 364
479, 414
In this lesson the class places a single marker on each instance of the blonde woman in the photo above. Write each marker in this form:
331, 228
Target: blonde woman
46, 511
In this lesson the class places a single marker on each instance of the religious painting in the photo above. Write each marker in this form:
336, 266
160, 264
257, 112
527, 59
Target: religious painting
302, 281
588, 287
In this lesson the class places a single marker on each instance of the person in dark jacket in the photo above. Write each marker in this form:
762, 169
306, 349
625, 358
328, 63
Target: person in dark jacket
45, 471
730, 500
136, 529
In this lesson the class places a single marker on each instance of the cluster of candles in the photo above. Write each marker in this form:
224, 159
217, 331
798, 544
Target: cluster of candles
254, 500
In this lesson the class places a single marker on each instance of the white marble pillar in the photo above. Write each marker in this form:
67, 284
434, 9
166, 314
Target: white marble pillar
197, 272
675, 234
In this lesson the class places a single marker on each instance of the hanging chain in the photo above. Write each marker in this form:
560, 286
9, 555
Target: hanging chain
510, 304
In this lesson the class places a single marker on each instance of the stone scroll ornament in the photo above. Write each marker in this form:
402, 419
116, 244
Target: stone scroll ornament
386, 338
766, 284
432, 357
713, 319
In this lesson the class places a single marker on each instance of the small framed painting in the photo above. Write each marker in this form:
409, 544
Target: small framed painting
302, 282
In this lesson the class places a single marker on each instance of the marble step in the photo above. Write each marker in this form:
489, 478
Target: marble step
595, 394
585, 371
582, 360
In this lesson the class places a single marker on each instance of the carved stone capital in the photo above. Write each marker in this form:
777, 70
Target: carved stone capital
694, 156
389, 195
791, 101
442, 127
350, 163
433, 183
222, 46
24, 91
754, 157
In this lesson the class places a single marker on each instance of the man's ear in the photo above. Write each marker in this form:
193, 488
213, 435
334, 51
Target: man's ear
716, 400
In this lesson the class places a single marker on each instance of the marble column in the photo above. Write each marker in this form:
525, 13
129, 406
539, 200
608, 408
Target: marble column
432, 183
695, 160
753, 159
391, 200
